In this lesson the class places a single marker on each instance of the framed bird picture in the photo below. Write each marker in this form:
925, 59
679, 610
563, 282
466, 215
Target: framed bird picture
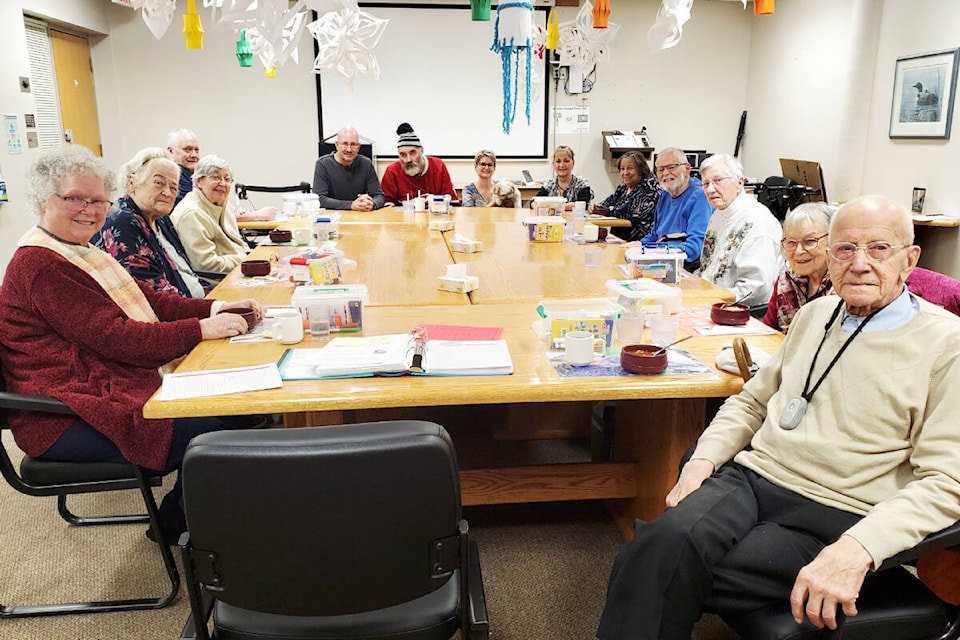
924, 86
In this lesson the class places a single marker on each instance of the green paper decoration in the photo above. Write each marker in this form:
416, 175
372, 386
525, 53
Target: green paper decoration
244, 52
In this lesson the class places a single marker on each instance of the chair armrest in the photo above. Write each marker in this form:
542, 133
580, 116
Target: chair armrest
479, 621
25, 402
943, 539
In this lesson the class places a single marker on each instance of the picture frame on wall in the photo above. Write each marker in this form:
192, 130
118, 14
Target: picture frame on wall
924, 88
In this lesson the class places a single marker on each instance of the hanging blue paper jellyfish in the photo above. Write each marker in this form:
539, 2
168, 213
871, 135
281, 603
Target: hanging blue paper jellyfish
513, 37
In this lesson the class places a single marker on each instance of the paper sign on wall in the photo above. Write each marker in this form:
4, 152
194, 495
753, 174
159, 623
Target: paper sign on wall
11, 131
571, 119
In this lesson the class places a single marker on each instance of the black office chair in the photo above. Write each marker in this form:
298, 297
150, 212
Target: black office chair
329, 532
781, 194
62, 479
893, 605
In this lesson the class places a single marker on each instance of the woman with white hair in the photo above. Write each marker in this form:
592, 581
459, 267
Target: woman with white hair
75, 325
140, 234
804, 277
207, 221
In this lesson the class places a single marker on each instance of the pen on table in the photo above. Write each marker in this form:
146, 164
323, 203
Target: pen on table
419, 348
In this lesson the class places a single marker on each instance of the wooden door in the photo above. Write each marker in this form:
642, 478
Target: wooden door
78, 102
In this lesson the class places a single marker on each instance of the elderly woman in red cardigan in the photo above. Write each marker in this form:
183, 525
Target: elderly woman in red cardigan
76, 326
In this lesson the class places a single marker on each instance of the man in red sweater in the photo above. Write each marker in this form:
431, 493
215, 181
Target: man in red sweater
415, 173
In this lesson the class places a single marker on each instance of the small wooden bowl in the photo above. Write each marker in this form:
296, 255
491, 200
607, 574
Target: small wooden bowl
730, 314
246, 313
281, 235
646, 359
255, 267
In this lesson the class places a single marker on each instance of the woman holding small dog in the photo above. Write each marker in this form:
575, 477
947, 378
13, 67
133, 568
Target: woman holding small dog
480, 193
635, 199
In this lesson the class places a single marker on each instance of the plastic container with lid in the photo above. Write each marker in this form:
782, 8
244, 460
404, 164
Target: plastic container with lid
320, 230
345, 302
657, 262
646, 295
544, 228
597, 315
297, 203
548, 205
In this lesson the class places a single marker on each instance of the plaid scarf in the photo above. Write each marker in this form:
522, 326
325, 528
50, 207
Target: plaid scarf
107, 272
792, 294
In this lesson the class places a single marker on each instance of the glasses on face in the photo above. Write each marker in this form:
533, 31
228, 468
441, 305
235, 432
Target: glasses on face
878, 250
809, 244
216, 177
349, 145
486, 165
670, 167
75, 204
716, 182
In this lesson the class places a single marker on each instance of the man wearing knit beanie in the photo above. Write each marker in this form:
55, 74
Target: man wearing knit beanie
414, 173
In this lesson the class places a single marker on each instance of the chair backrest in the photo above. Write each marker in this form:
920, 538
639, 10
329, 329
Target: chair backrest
935, 287
242, 189
323, 521
775, 193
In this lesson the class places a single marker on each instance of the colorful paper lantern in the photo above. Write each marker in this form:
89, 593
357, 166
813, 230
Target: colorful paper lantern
763, 7
553, 29
192, 29
601, 14
244, 51
480, 9
513, 39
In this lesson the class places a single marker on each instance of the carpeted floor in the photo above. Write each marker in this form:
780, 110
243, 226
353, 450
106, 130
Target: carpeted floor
545, 568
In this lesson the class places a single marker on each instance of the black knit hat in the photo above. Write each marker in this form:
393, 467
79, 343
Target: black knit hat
408, 138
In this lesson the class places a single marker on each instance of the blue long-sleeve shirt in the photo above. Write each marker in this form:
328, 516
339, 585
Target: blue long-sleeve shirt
687, 213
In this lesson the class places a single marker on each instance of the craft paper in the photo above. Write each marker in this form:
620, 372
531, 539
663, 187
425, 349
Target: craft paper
581, 45
346, 39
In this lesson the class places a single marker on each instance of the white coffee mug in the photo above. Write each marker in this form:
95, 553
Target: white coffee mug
288, 327
419, 204
580, 347
591, 232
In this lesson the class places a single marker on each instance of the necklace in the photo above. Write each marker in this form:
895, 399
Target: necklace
796, 407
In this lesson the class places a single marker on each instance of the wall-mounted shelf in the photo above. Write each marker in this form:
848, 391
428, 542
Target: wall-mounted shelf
617, 143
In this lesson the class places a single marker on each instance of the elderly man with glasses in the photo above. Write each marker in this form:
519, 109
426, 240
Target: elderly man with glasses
680, 220
741, 249
841, 452
345, 179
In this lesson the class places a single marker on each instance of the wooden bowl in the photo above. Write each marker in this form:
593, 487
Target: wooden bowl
246, 313
646, 359
730, 314
255, 267
281, 235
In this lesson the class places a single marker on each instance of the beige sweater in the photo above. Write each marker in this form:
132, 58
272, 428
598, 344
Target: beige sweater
209, 233
880, 437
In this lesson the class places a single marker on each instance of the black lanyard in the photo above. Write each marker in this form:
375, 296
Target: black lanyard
807, 391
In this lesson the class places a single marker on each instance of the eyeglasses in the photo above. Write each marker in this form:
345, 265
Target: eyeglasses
716, 182
486, 165
877, 250
809, 244
75, 204
670, 167
349, 145
218, 178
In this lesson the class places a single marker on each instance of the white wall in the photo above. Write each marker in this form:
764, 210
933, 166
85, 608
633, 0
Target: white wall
894, 167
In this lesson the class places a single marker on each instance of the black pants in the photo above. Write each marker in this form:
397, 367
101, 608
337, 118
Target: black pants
732, 546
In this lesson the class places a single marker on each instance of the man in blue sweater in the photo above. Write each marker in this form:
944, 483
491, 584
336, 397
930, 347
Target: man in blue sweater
686, 211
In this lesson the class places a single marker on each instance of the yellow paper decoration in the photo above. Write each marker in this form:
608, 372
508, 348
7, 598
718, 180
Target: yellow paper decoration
601, 13
553, 29
192, 29
271, 72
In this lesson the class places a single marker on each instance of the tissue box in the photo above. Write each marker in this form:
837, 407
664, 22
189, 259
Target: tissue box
464, 284
466, 246
544, 228
344, 301
440, 225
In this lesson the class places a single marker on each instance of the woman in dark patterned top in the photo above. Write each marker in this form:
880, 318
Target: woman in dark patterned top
635, 199
141, 236
565, 184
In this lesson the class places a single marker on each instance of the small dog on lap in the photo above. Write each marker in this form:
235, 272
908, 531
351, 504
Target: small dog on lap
506, 194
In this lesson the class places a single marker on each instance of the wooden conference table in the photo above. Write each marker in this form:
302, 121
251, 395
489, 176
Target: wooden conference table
656, 418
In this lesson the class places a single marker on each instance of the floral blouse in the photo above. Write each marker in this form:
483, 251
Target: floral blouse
472, 197
578, 191
637, 206
127, 237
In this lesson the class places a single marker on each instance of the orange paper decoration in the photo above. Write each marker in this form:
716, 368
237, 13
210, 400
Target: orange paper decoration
601, 13
762, 7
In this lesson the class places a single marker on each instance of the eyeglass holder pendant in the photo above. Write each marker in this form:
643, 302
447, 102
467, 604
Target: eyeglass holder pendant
793, 413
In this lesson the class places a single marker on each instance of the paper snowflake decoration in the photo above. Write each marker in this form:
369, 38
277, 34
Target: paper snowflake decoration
346, 39
581, 45
668, 29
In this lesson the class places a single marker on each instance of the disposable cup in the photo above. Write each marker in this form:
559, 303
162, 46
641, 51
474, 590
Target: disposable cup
663, 329
630, 329
592, 255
